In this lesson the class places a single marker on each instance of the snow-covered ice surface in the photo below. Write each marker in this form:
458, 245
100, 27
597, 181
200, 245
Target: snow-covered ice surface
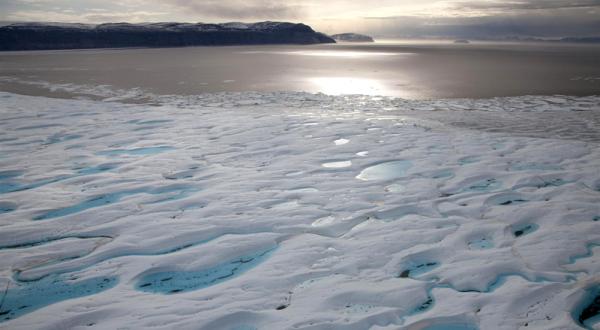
298, 211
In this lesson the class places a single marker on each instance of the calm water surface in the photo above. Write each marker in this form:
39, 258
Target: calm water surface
416, 70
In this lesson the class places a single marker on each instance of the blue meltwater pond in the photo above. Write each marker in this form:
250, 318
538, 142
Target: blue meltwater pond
26, 297
181, 281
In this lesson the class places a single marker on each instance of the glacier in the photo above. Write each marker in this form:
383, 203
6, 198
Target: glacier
298, 211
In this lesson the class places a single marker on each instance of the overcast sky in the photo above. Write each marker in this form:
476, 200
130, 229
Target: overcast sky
389, 18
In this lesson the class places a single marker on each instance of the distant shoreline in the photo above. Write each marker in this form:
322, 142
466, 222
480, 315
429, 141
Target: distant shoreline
47, 36
565, 41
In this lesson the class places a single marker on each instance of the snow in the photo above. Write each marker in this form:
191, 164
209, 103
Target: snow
297, 211
170, 26
43, 25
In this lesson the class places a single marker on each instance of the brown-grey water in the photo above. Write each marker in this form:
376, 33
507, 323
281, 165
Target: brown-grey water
414, 70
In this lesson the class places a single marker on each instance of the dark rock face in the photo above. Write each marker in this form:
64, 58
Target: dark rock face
352, 37
40, 36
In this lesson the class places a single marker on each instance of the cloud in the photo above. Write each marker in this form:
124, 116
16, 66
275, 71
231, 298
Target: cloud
136, 16
94, 16
392, 18
544, 25
494, 19
239, 9
512, 6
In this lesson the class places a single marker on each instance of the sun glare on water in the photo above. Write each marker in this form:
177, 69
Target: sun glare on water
337, 53
348, 85
329, 53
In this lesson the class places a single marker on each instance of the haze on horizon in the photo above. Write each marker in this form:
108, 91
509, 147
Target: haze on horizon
382, 18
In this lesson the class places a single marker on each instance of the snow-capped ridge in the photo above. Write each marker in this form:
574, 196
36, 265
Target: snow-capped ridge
35, 36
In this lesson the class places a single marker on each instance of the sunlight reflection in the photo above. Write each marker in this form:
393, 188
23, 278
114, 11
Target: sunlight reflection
348, 85
337, 53
331, 53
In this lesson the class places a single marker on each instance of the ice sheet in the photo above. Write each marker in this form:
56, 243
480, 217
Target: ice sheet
296, 211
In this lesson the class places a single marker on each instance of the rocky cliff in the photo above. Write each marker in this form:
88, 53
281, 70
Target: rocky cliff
39, 36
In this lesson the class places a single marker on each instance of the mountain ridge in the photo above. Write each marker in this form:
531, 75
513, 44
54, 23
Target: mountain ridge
50, 36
